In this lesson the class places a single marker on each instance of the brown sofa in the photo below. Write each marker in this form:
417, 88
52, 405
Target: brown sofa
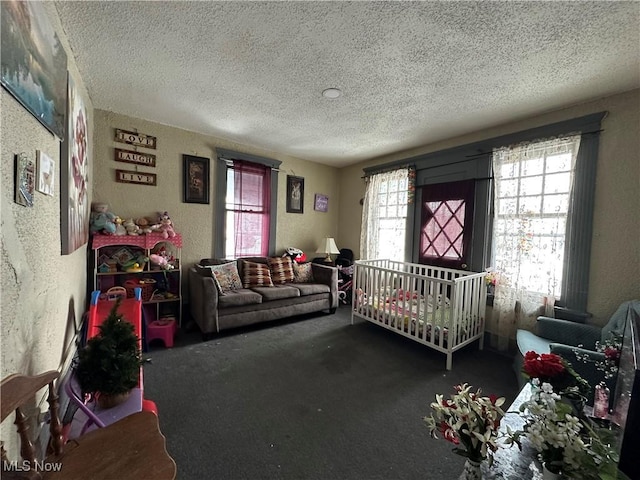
214, 312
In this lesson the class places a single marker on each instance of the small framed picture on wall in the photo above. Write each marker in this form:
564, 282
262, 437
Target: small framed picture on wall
196, 179
321, 203
295, 194
46, 172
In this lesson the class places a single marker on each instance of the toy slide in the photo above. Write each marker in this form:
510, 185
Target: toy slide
130, 309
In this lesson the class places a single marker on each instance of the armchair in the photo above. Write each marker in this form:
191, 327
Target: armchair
571, 340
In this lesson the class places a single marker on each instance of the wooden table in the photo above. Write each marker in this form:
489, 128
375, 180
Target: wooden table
131, 448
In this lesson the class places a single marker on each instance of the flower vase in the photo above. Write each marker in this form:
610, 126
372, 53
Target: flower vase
471, 471
548, 474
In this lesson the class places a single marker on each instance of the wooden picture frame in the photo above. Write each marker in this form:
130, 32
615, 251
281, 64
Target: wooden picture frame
196, 179
321, 203
295, 194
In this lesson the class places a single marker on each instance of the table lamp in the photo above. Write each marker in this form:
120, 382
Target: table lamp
328, 246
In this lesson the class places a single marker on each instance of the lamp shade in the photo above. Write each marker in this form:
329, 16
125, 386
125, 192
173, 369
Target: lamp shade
328, 246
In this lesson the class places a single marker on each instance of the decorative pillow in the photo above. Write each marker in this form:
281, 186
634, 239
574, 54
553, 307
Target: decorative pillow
256, 275
303, 272
281, 269
226, 277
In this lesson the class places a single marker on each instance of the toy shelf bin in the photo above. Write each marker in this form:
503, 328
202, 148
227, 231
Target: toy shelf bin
123, 261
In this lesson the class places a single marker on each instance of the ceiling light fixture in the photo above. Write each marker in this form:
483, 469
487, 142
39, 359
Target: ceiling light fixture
332, 93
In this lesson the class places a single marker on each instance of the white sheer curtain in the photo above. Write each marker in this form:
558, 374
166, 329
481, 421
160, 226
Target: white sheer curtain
384, 215
533, 183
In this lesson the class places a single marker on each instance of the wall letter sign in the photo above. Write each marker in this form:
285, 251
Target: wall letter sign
126, 176
134, 138
128, 156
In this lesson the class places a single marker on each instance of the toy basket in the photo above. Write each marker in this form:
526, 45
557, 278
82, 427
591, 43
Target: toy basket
148, 285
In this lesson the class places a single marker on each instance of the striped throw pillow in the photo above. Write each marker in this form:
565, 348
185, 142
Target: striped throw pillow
256, 275
281, 269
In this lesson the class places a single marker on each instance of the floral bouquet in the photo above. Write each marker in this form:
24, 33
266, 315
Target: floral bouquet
467, 419
610, 349
566, 443
556, 371
492, 278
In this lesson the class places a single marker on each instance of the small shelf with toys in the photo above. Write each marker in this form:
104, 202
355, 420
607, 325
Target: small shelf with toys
150, 261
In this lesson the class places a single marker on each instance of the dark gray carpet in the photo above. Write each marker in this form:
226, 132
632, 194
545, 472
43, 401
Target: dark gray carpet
316, 398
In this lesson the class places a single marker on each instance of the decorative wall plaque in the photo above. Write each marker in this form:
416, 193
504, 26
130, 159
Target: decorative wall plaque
133, 138
138, 158
141, 178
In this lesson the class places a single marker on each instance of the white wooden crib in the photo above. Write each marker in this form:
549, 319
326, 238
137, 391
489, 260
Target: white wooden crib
439, 307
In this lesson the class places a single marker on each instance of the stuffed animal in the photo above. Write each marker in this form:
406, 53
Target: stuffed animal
144, 225
165, 225
160, 260
131, 227
102, 220
120, 230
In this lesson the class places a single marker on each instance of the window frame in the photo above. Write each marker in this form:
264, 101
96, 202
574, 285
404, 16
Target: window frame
223, 161
473, 161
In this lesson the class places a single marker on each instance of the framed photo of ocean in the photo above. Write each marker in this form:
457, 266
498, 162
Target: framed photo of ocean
34, 63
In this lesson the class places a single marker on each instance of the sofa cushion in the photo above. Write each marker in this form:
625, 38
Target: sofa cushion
311, 288
255, 275
226, 277
239, 298
528, 341
277, 292
303, 273
281, 269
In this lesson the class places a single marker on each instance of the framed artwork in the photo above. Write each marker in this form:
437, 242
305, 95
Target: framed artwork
295, 194
25, 174
196, 179
34, 63
74, 174
46, 172
321, 203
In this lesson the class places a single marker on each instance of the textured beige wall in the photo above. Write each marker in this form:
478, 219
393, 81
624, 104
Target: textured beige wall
195, 221
43, 292
615, 254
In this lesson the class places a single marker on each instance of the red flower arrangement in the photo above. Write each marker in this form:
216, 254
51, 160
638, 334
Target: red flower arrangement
553, 369
543, 366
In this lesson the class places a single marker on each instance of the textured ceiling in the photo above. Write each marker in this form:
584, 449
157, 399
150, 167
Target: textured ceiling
412, 72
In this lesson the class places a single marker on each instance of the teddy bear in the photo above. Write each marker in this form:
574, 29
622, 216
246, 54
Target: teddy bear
101, 219
131, 227
144, 225
165, 225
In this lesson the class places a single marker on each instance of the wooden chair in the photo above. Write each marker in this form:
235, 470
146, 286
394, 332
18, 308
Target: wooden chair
131, 448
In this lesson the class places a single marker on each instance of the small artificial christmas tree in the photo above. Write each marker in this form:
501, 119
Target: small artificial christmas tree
109, 364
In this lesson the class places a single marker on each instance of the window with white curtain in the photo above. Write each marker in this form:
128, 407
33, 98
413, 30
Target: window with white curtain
533, 192
384, 218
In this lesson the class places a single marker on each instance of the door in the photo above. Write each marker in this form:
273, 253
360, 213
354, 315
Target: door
446, 224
